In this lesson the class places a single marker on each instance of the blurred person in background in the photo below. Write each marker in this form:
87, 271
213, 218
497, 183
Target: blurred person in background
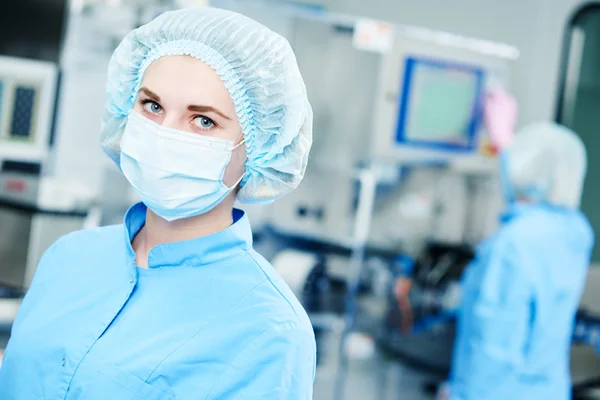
204, 106
521, 292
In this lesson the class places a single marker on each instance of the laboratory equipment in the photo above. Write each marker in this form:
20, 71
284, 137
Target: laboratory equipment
414, 104
29, 205
587, 333
587, 329
434, 297
429, 102
51, 100
27, 95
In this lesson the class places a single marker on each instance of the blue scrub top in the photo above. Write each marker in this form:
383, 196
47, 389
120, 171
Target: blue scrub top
209, 319
520, 296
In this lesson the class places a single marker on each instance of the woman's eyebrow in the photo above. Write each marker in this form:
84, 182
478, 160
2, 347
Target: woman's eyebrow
196, 108
150, 94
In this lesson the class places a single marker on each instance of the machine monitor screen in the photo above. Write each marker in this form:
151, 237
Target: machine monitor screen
439, 105
22, 115
17, 111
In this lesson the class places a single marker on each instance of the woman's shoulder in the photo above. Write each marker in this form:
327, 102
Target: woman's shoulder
88, 239
83, 247
275, 294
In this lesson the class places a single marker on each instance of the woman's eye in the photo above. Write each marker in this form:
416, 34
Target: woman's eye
152, 107
204, 122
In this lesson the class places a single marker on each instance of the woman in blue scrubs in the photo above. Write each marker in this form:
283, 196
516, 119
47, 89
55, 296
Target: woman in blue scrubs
204, 106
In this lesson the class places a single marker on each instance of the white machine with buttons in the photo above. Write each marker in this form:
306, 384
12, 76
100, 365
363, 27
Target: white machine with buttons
31, 205
53, 173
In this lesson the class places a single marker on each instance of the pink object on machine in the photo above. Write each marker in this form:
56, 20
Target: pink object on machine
500, 114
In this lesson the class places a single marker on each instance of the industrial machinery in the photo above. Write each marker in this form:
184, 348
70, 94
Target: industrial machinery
52, 171
434, 297
414, 106
29, 204
389, 102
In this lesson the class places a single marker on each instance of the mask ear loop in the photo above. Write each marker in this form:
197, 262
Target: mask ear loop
230, 188
239, 144
238, 182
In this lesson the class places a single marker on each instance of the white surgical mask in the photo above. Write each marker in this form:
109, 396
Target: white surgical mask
177, 174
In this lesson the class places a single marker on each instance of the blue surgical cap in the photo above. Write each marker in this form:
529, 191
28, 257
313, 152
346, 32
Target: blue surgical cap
546, 163
258, 68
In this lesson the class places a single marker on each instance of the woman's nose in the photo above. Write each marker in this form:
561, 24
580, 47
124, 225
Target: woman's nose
173, 121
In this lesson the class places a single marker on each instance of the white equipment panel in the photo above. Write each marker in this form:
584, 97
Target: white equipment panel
429, 103
27, 104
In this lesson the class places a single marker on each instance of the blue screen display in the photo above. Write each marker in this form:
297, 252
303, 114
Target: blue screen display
440, 104
22, 113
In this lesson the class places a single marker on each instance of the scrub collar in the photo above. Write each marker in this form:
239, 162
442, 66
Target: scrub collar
515, 209
519, 208
194, 252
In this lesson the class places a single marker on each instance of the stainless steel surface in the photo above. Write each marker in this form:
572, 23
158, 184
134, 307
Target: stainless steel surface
24, 237
15, 229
